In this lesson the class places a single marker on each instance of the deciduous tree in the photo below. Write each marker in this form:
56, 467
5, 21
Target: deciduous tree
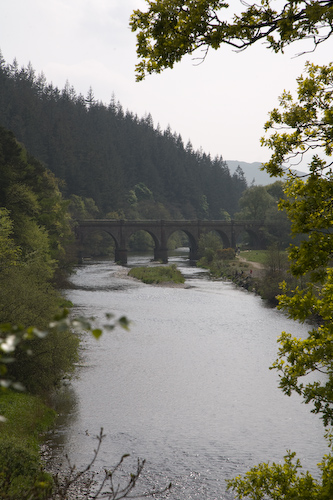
254, 203
169, 29
303, 124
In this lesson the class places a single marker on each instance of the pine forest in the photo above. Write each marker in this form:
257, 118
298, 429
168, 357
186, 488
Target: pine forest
120, 164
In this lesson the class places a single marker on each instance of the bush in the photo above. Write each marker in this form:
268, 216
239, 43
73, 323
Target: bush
26, 298
269, 287
51, 359
209, 244
21, 474
225, 254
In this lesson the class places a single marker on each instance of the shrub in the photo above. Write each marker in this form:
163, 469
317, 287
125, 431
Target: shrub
21, 474
225, 254
51, 359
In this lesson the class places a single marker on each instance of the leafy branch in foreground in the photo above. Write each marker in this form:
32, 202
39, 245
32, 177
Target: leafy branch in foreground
108, 487
314, 354
170, 29
305, 124
308, 204
285, 481
15, 338
302, 124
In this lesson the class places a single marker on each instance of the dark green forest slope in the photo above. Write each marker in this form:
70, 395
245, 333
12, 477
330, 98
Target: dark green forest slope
35, 236
104, 153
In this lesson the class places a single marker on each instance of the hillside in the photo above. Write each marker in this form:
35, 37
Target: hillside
252, 172
112, 156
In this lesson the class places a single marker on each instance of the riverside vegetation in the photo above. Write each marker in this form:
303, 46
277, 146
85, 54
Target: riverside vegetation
260, 271
35, 242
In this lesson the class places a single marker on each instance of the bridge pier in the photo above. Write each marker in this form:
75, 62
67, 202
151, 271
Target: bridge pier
80, 257
120, 255
193, 254
161, 254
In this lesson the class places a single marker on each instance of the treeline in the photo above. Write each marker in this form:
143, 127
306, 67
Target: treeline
104, 153
261, 203
35, 248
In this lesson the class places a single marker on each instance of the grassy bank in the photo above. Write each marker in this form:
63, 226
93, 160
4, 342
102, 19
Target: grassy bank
226, 268
158, 274
258, 256
21, 473
256, 270
39, 361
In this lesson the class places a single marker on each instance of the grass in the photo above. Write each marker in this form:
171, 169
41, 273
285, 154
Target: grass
158, 274
21, 474
26, 416
259, 256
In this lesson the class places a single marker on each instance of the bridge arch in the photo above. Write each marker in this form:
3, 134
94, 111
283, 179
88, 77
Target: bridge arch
82, 237
193, 242
155, 238
222, 235
254, 234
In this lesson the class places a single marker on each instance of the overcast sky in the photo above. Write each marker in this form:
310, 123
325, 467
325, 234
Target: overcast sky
220, 105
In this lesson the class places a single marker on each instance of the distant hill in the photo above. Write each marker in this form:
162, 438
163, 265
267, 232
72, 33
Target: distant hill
252, 172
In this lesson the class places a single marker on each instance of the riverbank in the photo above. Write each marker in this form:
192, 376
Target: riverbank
250, 275
239, 270
250, 270
22, 473
256, 269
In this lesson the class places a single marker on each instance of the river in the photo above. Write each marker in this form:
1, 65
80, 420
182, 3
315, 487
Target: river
188, 387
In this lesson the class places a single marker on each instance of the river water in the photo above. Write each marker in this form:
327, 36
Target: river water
188, 387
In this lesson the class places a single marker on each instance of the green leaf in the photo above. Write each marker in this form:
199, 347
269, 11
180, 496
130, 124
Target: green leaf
97, 332
124, 322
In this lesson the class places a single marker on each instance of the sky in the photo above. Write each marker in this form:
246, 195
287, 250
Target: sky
220, 105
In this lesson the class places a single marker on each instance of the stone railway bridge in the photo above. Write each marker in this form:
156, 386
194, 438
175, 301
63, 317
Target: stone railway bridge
161, 230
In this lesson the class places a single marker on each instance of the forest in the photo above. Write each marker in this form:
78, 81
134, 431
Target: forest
124, 165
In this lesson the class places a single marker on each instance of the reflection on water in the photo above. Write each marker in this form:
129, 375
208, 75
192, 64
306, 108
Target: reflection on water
65, 403
188, 388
